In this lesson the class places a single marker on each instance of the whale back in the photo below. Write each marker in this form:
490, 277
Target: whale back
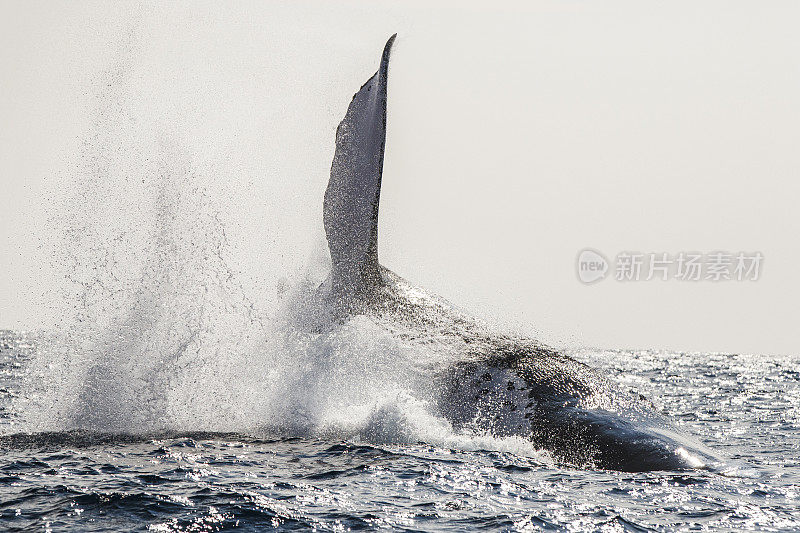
350, 211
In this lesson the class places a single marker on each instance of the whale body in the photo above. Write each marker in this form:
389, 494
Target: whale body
505, 384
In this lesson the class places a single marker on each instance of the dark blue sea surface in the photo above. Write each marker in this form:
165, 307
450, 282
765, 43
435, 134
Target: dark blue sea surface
745, 407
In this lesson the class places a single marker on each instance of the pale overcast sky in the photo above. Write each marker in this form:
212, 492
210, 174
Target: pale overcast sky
518, 135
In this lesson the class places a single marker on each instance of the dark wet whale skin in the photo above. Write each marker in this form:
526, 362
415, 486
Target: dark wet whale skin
508, 385
503, 384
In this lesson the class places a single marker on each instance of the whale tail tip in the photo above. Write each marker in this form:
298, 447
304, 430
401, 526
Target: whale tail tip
350, 210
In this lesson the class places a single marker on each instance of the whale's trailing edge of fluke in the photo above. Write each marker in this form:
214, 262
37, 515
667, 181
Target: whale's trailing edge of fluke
350, 211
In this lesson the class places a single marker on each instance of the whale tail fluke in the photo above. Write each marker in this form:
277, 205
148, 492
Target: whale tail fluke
350, 211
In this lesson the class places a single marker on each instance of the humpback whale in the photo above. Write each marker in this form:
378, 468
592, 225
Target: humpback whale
504, 384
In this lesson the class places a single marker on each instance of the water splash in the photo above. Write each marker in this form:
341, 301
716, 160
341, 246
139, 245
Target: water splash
155, 331
150, 312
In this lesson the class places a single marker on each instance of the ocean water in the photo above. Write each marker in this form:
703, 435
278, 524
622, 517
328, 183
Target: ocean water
334, 476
